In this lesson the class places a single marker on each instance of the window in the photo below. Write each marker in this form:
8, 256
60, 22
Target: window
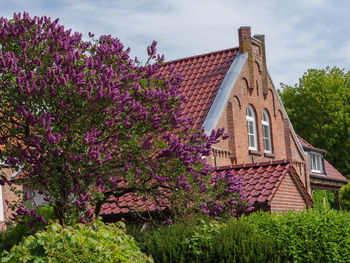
266, 131
316, 163
251, 128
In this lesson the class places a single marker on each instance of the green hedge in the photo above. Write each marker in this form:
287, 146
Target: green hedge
204, 241
308, 236
95, 242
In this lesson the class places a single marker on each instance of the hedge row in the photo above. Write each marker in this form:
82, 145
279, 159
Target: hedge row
308, 236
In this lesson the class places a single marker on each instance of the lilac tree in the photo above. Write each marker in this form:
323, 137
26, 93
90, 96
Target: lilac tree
85, 123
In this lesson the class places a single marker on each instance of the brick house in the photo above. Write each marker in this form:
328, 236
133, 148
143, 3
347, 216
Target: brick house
232, 88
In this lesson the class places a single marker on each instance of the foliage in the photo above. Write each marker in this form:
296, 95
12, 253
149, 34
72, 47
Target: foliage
324, 199
86, 124
307, 236
206, 241
321, 102
15, 233
345, 197
95, 242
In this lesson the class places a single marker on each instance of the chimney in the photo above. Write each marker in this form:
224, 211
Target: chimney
263, 56
245, 45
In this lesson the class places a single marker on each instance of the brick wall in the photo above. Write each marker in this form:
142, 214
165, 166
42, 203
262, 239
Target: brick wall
235, 149
261, 95
7, 195
287, 196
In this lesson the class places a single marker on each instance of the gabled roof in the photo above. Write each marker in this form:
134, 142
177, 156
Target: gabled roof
331, 172
202, 78
261, 180
308, 146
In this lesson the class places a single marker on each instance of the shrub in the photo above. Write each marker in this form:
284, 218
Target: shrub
95, 242
15, 233
345, 197
206, 241
307, 236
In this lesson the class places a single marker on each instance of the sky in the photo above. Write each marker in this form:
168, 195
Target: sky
299, 35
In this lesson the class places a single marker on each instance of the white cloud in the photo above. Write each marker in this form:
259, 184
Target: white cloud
299, 34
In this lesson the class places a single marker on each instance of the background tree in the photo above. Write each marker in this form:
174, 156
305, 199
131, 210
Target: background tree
319, 108
86, 124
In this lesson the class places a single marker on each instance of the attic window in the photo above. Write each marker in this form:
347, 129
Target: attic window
251, 129
316, 163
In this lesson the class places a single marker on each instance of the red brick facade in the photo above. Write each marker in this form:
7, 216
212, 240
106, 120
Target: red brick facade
261, 95
287, 196
7, 194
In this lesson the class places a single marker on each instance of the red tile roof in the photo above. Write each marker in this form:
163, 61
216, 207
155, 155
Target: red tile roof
260, 183
331, 172
305, 144
261, 180
130, 202
202, 76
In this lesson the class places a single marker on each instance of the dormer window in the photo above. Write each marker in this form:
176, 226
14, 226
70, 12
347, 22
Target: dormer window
266, 132
316, 163
251, 129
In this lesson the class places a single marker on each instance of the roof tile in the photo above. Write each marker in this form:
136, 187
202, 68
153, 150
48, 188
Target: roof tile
261, 180
202, 76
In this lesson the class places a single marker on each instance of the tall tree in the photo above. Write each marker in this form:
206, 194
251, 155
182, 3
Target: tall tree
86, 124
319, 109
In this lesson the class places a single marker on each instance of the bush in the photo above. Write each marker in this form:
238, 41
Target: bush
307, 236
345, 197
95, 242
14, 234
205, 241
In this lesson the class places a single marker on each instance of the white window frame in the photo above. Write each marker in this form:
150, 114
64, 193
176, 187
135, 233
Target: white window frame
265, 121
251, 120
316, 167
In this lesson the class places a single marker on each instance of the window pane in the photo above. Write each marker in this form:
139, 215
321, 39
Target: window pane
252, 141
251, 128
318, 163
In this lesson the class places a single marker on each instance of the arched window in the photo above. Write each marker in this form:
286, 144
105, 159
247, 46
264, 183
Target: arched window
265, 121
251, 128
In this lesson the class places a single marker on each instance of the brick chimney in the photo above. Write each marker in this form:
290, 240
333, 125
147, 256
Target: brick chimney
245, 45
264, 71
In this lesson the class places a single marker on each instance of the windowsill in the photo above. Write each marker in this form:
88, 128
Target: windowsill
270, 155
254, 152
316, 172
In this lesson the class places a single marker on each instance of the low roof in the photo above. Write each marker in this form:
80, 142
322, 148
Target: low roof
261, 180
202, 76
331, 172
308, 146
260, 183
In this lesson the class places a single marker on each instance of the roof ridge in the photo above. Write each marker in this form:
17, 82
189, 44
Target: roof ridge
200, 55
249, 165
